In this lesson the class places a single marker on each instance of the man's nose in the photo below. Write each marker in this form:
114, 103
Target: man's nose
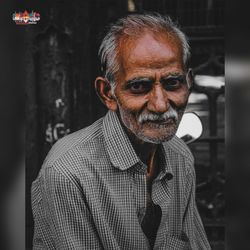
158, 100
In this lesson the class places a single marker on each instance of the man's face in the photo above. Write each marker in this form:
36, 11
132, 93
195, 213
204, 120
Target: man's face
151, 89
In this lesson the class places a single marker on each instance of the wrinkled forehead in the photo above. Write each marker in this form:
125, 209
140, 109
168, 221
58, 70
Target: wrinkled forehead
154, 47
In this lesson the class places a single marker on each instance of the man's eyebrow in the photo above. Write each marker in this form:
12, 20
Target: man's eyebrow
138, 80
177, 76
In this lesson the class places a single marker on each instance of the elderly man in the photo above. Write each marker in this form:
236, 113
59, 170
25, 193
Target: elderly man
126, 181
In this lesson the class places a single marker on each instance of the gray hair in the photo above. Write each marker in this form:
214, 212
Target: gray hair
131, 26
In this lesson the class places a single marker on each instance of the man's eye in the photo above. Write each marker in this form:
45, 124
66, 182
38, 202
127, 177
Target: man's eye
172, 83
140, 87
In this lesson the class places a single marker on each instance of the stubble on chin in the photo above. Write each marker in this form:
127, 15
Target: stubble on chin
165, 132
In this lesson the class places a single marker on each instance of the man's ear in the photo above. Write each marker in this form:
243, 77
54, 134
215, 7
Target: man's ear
103, 90
190, 79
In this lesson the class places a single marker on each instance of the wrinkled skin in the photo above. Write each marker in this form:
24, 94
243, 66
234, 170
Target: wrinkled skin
150, 58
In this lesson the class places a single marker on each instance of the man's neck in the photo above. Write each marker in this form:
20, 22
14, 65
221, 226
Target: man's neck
147, 152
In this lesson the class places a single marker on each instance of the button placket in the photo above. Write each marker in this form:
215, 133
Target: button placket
161, 195
140, 192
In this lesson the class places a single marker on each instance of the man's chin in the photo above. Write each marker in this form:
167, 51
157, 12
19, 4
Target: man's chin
157, 135
155, 139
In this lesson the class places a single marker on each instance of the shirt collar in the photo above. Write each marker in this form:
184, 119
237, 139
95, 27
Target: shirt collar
165, 161
119, 147
121, 151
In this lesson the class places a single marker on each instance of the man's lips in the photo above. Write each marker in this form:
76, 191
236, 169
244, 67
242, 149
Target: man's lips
161, 122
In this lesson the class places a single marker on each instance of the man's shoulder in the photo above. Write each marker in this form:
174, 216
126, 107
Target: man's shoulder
75, 148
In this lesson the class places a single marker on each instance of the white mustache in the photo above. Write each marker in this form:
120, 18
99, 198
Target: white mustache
170, 114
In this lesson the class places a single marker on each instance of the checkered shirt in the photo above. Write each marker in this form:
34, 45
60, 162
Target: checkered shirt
91, 194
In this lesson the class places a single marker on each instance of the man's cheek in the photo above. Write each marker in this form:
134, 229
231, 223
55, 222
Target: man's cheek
131, 104
180, 101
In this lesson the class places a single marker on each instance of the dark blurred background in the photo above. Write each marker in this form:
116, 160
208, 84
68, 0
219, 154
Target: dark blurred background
61, 64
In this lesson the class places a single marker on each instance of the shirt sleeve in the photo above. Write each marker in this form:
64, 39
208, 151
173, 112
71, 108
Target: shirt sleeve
61, 216
192, 224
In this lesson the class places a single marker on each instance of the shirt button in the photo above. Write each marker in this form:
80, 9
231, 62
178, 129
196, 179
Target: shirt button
142, 211
169, 176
